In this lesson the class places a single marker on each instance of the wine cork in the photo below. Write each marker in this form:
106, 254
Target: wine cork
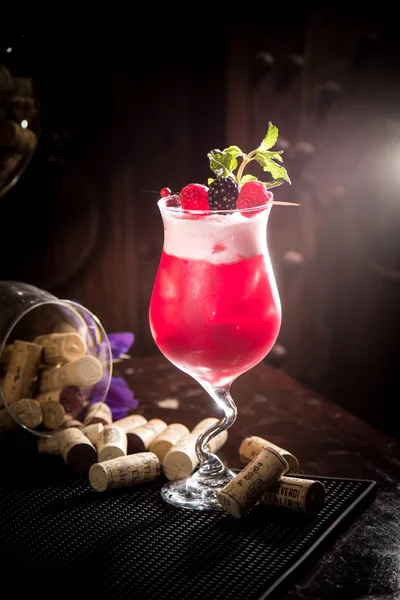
112, 443
139, 439
294, 493
60, 348
125, 471
7, 423
131, 422
71, 399
48, 445
70, 422
93, 431
28, 412
77, 451
244, 490
167, 440
83, 372
99, 412
53, 414
20, 379
251, 446
64, 327
181, 460
5, 356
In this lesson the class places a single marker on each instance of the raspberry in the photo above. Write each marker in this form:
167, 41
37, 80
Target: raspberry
223, 193
252, 194
194, 197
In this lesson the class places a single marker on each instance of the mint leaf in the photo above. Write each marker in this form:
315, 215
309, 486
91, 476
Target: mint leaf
210, 180
234, 151
222, 163
270, 166
247, 178
274, 183
270, 137
276, 155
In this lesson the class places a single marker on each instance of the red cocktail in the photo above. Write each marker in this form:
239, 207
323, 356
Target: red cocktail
215, 320
215, 309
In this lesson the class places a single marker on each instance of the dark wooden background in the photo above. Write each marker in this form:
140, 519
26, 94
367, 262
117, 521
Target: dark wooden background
125, 114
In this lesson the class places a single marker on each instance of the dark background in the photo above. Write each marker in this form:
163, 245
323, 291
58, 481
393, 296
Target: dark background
128, 108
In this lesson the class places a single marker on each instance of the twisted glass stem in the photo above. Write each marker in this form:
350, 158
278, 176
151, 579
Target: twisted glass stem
209, 464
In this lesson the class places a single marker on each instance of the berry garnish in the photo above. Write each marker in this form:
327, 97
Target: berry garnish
252, 194
165, 192
194, 197
222, 194
231, 189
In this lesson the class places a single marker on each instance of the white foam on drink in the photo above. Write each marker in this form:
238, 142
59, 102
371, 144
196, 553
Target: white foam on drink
219, 239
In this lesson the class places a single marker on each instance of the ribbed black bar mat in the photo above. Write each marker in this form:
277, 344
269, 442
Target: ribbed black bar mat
59, 536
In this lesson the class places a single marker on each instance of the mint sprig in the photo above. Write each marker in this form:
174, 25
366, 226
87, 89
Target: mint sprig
224, 162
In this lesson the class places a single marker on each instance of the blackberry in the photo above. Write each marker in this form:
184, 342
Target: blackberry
222, 194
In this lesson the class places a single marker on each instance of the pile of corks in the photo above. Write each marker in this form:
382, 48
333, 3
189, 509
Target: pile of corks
44, 382
132, 451
43, 385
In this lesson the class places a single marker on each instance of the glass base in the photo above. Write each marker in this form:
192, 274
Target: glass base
198, 492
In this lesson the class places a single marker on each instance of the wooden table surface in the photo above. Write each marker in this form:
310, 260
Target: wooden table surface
364, 563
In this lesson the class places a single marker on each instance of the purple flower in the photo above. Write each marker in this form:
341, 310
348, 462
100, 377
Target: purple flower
120, 343
120, 397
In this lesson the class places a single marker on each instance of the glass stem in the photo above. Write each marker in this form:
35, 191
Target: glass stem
210, 464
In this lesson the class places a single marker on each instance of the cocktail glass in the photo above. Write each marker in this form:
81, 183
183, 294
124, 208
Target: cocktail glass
214, 313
